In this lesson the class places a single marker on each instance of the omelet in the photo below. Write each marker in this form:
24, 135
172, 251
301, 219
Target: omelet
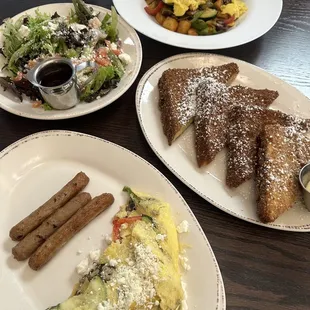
181, 6
236, 8
140, 269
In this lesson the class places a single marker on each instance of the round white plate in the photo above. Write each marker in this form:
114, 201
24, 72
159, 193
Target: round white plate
180, 158
260, 18
34, 168
131, 46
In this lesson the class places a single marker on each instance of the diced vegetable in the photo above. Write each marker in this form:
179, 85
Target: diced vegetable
154, 11
109, 25
199, 24
208, 13
82, 11
229, 20
170, 24
218, 4
118, 222
184, 26
160, 18
192, 32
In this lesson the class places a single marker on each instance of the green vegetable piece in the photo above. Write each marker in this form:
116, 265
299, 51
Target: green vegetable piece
196, 16
199, 24
118, 66
21, 52
103, 74
72, 53
47, 107
110, 27
82, 11
208, 14
147, 219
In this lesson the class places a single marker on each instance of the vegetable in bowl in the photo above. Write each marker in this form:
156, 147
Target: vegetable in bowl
196, 17
83, 35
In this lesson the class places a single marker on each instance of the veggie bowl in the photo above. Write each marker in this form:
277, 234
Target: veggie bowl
196, 17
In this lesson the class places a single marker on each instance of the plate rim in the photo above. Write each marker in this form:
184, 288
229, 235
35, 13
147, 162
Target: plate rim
221, 296
140, 87
200, 47
67, 115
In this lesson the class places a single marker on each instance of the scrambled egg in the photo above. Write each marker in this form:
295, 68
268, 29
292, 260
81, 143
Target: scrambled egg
236, 8
181, 6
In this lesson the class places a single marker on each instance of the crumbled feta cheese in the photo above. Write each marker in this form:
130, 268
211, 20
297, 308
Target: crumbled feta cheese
182, 227
156, 303
83, 267
125, 58
160, 237
94, 23
107, 239
113, 262
24, 31
184, 301
52, 26
113, 46
79, 252
124, 226
184, 262
77, 27
94, 256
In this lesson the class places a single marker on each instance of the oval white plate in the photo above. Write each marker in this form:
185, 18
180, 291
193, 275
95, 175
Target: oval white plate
131, 46
34, 168
180, 158
260, 18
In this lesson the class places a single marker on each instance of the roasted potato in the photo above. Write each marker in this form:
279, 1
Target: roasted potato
170, 24
192, 32
184, 26
160, 18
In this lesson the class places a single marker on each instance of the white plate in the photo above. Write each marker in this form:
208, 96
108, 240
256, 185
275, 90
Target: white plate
209, 182
131, 46
34, 168
260, 18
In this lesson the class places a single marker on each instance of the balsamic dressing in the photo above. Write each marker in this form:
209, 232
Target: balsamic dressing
54, 75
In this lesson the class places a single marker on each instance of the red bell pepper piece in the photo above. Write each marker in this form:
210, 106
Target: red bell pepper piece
154, 11
229, 20
118, 222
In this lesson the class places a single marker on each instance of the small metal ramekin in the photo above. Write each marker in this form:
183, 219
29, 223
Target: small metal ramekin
304, 179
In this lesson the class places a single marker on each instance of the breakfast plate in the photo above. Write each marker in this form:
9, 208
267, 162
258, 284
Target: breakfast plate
180, 158
131, 45
248, 28
32, 169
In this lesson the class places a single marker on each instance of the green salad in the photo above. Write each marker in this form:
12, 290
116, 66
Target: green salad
83, 35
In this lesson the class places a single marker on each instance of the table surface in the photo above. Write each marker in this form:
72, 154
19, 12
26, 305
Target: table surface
262, 268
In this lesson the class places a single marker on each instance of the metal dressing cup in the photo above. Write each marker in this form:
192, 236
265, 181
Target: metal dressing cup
57, 81
304, 179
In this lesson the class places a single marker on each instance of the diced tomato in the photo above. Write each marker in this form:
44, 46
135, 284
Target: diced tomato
229, 20
116, 52
36, 104
18, 77
102, 61
154, 11
102, 51
118, 222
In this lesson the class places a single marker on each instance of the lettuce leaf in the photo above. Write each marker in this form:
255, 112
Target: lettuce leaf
103, 74
109, 25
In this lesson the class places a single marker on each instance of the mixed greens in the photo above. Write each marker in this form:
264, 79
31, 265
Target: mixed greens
82, 36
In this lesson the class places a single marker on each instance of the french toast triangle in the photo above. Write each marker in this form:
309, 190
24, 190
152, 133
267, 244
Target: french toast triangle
214, 102
245, 125
177, 95
281, 153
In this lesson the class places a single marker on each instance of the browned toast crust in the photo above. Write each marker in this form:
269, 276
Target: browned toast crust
214, 102
277, 173
245, 125
177, 95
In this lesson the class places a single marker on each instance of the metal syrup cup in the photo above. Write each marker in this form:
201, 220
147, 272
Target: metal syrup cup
65, 95
304, 179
